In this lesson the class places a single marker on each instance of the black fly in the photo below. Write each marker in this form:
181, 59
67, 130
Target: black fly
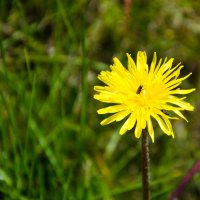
139, 90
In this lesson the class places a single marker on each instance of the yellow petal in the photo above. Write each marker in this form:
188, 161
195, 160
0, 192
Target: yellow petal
124, 128
138, 131
184, 105
117, 67
179, 91
172, 73
161, 123
128, 125
170, 83
168, 123
166, 66
111, 109
158, 66
142, 61
116, 117
131, 64
153, 63
132, 121
180, 114
150, 129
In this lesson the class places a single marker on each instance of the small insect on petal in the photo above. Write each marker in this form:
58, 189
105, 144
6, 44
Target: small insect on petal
139, 90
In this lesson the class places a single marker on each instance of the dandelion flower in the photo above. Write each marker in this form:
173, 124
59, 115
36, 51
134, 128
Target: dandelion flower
142, 93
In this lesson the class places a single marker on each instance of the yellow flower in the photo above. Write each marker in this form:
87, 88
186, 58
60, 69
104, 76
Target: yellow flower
141, 93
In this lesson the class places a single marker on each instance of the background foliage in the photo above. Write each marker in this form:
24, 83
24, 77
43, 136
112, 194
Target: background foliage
51, 143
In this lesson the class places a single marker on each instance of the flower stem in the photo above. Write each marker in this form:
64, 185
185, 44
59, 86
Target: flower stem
145, 165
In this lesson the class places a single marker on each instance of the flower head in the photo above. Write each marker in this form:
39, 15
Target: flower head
141, 93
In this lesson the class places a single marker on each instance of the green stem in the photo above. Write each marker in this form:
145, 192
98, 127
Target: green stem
145, 165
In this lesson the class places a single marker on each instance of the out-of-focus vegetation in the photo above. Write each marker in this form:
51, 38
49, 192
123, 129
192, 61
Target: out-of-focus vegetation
51, 143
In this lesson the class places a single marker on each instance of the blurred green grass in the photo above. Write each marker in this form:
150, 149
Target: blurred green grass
51, 143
